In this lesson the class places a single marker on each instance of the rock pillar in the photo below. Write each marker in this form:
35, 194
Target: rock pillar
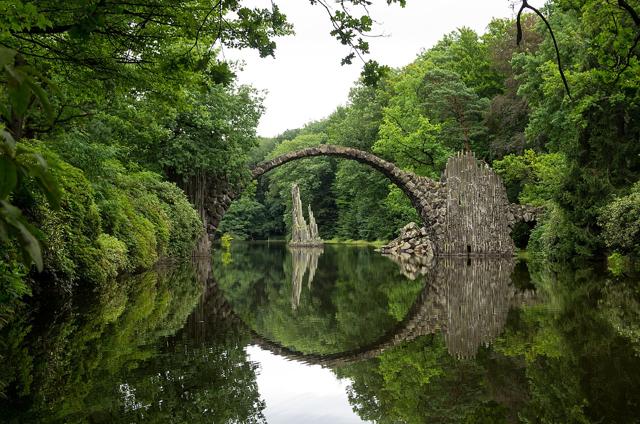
302, 235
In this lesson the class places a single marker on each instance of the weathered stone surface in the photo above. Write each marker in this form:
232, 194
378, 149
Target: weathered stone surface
313, 226
476, 210
412, 240
301, 233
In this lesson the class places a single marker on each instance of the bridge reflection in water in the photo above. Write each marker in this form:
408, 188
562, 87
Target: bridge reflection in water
467, 299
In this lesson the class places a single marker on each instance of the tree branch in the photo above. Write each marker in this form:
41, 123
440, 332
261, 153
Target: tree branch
630, 10
526, 5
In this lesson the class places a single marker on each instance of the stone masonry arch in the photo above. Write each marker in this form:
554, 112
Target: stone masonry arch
423, 192
467, 213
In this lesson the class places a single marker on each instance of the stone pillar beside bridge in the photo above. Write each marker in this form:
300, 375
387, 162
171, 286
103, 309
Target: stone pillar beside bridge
477, 210
466, 214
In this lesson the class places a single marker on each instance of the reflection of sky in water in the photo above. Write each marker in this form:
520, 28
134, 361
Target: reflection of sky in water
300, 393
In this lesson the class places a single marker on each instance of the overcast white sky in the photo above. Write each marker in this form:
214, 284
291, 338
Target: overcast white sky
305, 81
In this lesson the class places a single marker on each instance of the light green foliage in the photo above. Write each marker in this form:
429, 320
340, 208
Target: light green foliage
114, 254
407, 135
245, 217
125, 222
619, 264
532, 178
620, 221
152, 217
415, 382
411, 141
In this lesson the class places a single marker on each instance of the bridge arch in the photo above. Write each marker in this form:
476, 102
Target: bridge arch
425, 195
416, 188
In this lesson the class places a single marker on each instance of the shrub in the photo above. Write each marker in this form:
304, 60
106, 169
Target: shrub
113, 254
122, 220
620, 221
185, 225
12, 284
69, 233
153, 217
557, 239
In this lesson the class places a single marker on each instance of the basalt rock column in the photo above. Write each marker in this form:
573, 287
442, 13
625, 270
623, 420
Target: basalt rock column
313, 227
302, 235
477, 210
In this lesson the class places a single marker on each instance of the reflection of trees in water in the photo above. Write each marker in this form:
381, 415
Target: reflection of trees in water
303, 259
561, 358
124, 358
357, 296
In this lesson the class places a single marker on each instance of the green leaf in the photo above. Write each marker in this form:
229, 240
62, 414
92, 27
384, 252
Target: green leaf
41, 96
45, 180
7, 56
11, 217
7, 143
30, 245
8, 176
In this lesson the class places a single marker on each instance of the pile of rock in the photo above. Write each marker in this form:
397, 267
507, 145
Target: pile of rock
413, 240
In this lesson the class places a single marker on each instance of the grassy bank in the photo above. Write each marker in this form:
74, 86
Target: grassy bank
375, 243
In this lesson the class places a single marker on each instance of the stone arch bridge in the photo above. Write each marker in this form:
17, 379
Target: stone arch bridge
467, 212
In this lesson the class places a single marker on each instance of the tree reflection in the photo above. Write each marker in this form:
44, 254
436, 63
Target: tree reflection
123, 358
563, 358
356, 297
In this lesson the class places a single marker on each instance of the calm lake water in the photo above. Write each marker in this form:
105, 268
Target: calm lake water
336, 335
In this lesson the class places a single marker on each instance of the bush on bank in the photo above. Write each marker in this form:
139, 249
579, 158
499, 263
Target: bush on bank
119, 221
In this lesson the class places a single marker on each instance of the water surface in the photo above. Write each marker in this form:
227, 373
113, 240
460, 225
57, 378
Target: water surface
335, 335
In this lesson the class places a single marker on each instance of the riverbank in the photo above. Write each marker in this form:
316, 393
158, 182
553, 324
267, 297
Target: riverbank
349, 242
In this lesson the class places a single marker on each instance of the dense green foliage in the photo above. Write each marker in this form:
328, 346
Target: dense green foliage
101, 105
